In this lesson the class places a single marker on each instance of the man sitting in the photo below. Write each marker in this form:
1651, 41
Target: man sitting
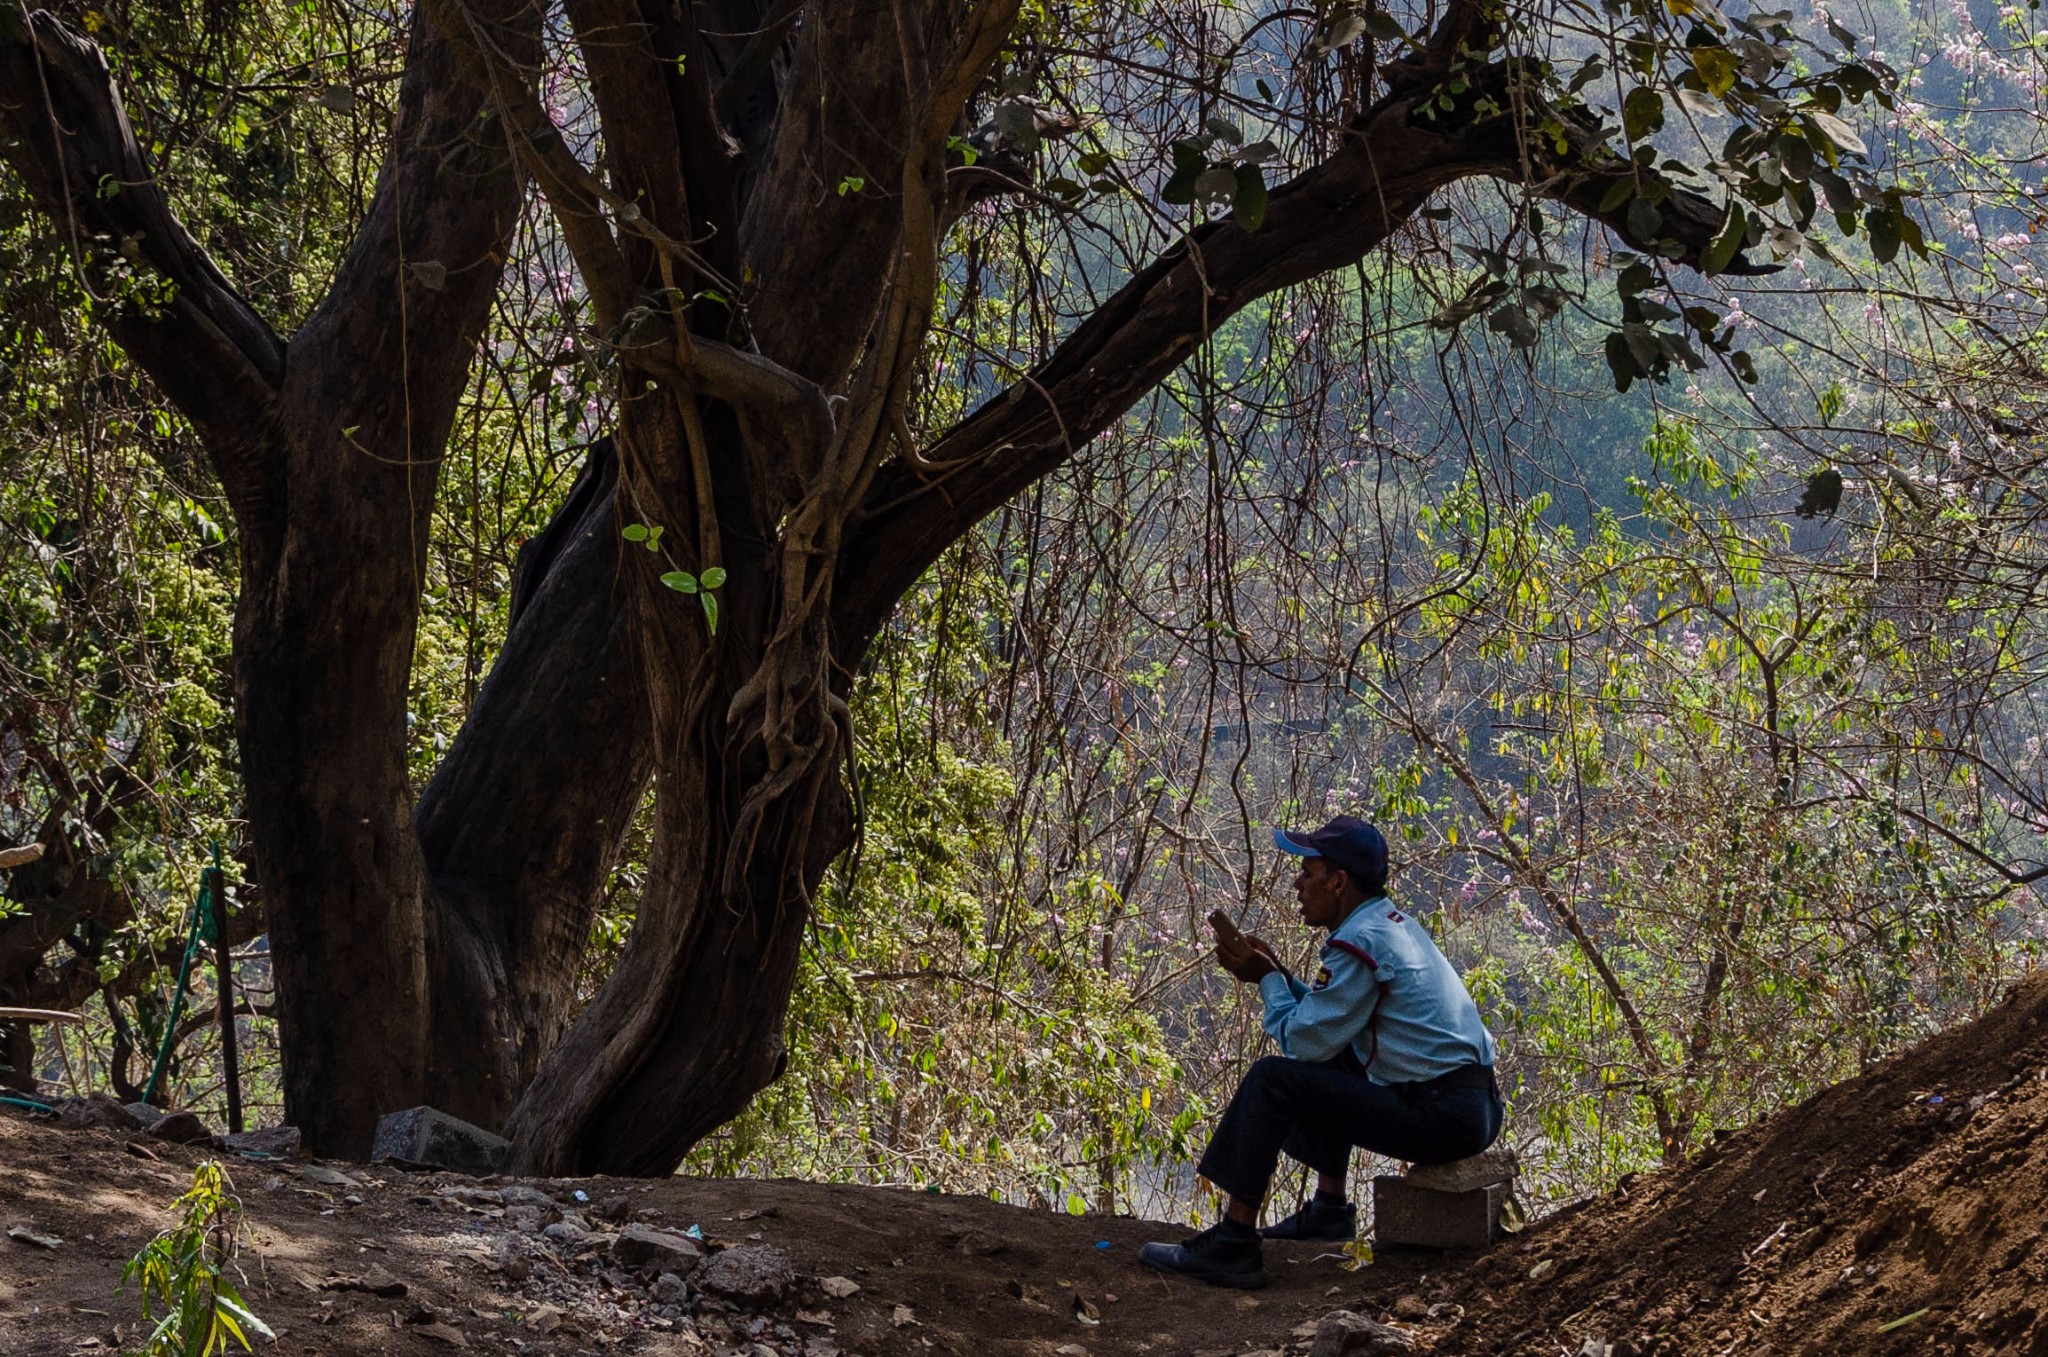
1385, 1051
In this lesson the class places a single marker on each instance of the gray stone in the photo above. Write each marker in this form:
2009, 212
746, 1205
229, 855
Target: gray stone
1462, 1175
519, 1194
1422, 1217
531, 1219
423, 1136
571, 1238
639, 1245
753, 1275
103, 1112
1341, 1332
181, 1128
670, 1289
278, 1140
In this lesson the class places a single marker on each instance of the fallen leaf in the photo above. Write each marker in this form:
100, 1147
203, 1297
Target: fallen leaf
543, 1319
903, 1316
327, 1177
1542, 1269
28, 1236
818, 1317
1085, 1310
839, 1288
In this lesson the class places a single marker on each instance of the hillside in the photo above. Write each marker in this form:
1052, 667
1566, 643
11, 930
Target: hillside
1911, 1197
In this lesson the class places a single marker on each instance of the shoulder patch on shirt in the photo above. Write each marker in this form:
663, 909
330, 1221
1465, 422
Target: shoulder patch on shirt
1322, 978
1356, 951
1395, 915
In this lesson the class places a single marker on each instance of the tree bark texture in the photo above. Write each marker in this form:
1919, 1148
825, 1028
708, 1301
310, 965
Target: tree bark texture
430, 951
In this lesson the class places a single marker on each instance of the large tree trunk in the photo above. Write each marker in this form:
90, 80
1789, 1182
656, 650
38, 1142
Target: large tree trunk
522, 823
327, 448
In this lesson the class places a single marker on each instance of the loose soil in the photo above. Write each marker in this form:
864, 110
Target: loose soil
1900, 1212
1897, 1213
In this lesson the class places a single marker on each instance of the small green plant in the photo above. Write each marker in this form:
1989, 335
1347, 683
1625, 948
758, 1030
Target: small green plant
182, 1271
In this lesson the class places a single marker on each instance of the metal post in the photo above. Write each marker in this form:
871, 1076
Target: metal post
224, 982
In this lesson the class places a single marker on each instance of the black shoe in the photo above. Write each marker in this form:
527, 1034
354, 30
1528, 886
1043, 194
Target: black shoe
1317, 1220
1212, 1257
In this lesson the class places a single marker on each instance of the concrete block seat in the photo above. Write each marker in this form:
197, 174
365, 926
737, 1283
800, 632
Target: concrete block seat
1457, 1205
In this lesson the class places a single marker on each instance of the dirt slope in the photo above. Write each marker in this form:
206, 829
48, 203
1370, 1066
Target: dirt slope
1916, 1193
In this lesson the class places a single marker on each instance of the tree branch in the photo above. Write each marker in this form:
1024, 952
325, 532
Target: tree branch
65, 131
1325, 218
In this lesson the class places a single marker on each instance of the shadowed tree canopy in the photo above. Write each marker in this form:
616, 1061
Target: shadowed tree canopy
760, 199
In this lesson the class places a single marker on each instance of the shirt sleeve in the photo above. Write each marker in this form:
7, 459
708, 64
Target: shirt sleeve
1315, 1024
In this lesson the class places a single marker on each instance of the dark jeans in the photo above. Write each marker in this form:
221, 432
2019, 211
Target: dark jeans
1316, 1112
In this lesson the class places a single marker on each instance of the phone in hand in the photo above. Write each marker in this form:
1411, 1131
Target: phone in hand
1227, 931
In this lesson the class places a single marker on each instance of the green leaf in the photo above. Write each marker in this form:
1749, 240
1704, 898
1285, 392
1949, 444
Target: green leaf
1883, 225
1218, 183
1018, 123
1248, 203
1644, 221
1823, 494
1384, 27
710, 602
1618, 192
1622, 361
682, 581
1717, 67
1189, 164
1721, 253
634, 532
713, 577
1835, 130
1642, 113
852, 183
1265, 90
1514, 322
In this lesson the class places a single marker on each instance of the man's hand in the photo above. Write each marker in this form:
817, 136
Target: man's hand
1248, 958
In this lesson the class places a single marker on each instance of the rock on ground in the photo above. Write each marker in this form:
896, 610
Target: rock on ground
1342, 1333
422, 1135
751, 1274
99, 1110
639, 1245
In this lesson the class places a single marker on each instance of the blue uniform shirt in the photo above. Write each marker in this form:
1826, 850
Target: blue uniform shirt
1387, 991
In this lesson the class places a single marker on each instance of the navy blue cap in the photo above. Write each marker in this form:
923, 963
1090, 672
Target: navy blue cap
1347, 842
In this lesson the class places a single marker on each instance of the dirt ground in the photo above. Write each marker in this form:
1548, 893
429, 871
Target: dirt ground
1897, 1213
937, 1274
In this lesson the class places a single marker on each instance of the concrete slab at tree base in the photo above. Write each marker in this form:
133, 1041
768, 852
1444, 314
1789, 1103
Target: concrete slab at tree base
423, 1136
1424, 1217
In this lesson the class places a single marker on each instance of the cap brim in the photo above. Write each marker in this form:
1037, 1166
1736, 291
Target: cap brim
1287, 843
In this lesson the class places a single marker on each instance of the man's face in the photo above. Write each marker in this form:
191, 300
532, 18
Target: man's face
1319, 888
